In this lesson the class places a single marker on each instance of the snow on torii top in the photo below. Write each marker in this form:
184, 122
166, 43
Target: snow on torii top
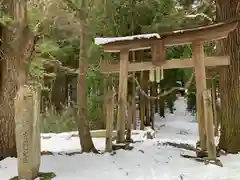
211, 32
106, 40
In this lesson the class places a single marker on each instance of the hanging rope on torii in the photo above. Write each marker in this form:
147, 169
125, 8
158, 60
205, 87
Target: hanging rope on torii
164, 93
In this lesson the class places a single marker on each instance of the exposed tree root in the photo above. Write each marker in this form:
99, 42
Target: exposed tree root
129, 140
94, 150
179, 145
125, 146
41, 175
49, 153
205, 160
201, 156
197, 150
45, 153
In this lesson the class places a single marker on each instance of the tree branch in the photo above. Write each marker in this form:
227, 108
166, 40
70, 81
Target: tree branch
199, 14
39, 25
74, 7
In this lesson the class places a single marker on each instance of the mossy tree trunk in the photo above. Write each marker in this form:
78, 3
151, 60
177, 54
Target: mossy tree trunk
17, 46
83, 126
229, 81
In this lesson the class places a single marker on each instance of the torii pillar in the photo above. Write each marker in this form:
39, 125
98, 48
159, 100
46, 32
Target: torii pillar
122, 95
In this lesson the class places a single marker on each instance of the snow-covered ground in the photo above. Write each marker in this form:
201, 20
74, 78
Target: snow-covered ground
149, 160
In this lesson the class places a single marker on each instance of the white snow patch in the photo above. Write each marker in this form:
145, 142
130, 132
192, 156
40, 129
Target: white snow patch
106, 40
149, 160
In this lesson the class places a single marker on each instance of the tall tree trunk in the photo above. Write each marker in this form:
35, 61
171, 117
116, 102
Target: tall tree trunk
229, 81
59, 95
7, 125
17, 46
161, 105
83, 126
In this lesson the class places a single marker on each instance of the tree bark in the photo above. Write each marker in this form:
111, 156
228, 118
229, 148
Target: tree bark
229, 81
17, 47
142, 104
59, 92
7, 124
161, 105
153, 104
83, 126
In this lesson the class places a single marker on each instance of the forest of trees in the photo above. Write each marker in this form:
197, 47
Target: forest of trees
49, 42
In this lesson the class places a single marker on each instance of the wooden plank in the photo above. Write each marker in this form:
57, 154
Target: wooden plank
142, 102
153, 92
208, 115
129, 120
133, 95
201, 85
109, 119
178, 37
141, 96
213, 90
158, 53
170, 64
122, 95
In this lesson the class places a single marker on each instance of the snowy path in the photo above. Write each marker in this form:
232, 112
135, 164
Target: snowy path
147, 161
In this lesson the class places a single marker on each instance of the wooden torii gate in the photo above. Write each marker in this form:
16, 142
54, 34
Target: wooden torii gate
157, 43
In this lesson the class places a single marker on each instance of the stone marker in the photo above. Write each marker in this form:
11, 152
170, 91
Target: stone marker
27, 129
